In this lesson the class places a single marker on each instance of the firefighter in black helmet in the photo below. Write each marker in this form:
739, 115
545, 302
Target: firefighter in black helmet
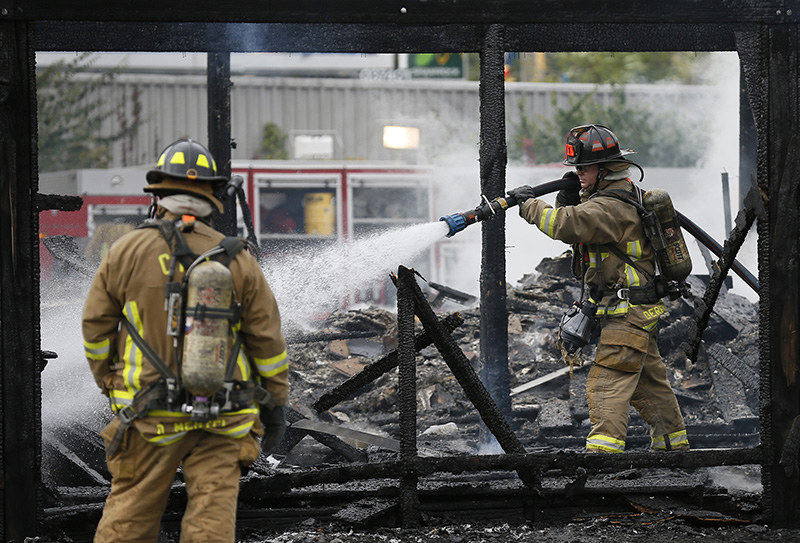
616, 260
137, 322
186, 166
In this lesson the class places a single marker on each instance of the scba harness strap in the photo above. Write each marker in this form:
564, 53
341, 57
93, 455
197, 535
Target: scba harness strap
167, 393
646, 294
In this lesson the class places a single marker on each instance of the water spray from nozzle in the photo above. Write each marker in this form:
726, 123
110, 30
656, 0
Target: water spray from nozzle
491, 208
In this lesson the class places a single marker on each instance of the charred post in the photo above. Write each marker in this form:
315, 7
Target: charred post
21, 429
407, 397
469, 381
779, 258
219, 130
494, 315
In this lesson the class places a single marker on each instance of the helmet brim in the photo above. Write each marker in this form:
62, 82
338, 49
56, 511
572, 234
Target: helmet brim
617, 158
158, 176
168, 185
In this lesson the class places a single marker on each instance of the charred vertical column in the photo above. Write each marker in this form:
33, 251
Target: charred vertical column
20, 395
219, 129
779, 267
494, 315
407, 396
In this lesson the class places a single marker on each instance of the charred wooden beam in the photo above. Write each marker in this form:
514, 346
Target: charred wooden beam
779, 165
385, 37
493, 158
218, 89
407, 397
462, 370
330, 336
414, 11
566, 461
61, 202
20, 340
753, 207
350, 388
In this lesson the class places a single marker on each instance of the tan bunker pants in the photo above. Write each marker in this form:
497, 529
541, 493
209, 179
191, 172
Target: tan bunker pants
628, 371
142, 474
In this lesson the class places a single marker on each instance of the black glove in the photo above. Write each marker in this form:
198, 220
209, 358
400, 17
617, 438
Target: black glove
569, 197
274, 421
520, 194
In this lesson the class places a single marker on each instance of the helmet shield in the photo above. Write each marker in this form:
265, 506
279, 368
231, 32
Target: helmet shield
592, 144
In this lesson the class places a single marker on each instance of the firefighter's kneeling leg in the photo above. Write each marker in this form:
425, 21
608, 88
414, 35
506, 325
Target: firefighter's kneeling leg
656, 402
141, 477
212, 471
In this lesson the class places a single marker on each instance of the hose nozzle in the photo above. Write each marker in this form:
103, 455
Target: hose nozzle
456, 222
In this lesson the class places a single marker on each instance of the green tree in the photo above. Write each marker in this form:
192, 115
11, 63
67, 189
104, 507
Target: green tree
273, 143
71, 112
660, 137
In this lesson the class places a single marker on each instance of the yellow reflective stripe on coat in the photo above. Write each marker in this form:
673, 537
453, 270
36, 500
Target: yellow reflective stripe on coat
120, 399
634, 249
132, 370
547, 221
167, 439
676, 439
267, 367
99, 350
592, 259
605, 443
620, 309
234, 432
632, 276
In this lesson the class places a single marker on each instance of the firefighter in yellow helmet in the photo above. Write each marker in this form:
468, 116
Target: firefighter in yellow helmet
617, 263
151, 326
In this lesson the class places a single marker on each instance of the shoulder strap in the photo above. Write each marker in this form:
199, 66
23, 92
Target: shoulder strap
148, 352
627, 197
232, 247
174, 238
628, 260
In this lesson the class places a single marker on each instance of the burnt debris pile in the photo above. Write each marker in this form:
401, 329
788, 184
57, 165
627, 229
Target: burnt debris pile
344, 412
717, 393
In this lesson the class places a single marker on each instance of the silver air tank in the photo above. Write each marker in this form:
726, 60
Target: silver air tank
206, 339
668, 243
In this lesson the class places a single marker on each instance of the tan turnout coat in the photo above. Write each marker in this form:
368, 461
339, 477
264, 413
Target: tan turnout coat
130, 283
591, 226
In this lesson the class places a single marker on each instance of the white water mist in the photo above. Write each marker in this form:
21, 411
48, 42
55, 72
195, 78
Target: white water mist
307, 285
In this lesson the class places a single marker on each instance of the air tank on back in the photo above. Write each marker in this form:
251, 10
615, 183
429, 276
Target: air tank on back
670, 247
206, 339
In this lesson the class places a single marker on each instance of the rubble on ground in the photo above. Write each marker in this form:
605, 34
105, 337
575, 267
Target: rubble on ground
717, 393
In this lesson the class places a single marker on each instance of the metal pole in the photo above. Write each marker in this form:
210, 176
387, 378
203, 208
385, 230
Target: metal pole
748, 141
726, 204
407, 397
219, 130
494, 315
20, 340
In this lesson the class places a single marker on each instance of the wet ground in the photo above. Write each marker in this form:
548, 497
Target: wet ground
601, 531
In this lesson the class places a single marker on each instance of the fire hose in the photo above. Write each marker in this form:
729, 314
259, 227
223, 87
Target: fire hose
492, 208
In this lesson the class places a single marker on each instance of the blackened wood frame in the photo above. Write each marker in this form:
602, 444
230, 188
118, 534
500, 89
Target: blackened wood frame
764, 33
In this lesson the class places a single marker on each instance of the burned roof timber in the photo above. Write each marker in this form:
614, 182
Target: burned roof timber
411, 11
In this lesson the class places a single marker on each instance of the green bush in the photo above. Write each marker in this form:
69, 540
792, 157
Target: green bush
660, 138
273, 143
